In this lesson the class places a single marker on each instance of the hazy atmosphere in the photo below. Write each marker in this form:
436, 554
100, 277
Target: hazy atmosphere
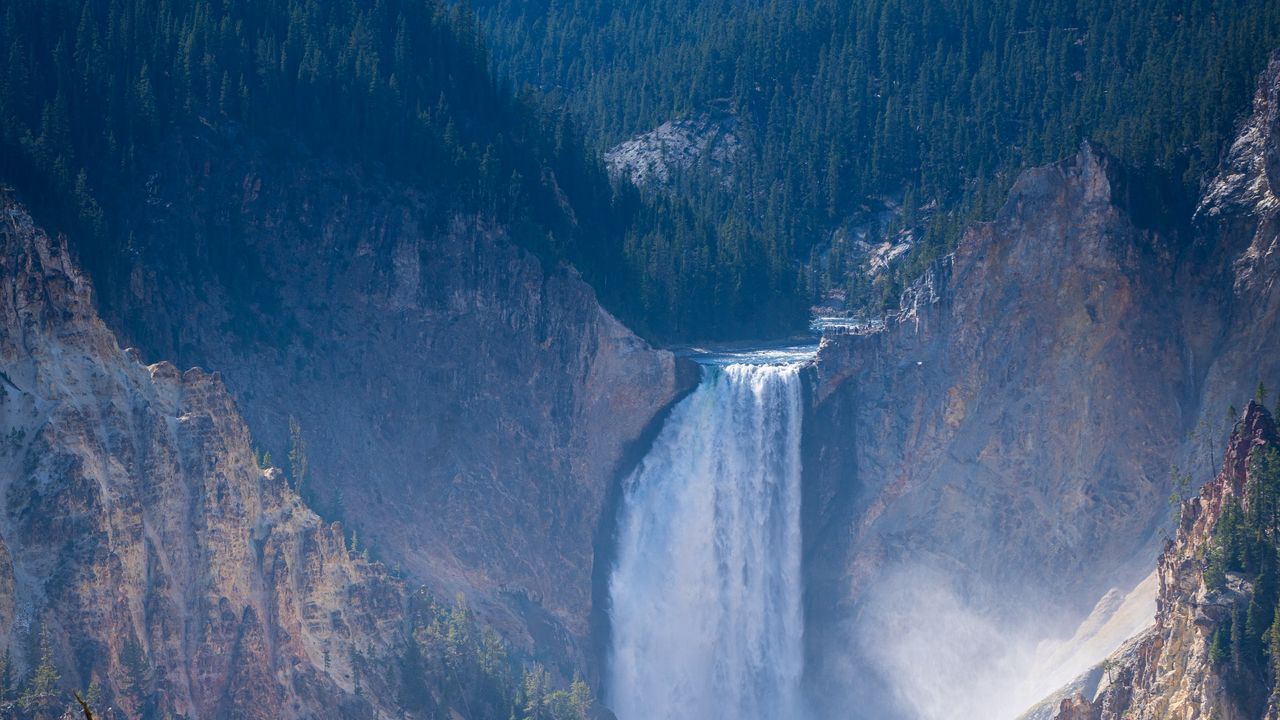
639, 360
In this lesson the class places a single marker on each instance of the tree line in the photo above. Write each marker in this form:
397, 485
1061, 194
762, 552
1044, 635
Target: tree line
93, 91
933, 104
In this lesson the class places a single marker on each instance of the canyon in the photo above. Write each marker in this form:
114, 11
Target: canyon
140, 535
996, 457
465, 407
972, 477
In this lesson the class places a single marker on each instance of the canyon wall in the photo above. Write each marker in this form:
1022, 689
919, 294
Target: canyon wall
139, 535
1171, 670
465, 406
996, 457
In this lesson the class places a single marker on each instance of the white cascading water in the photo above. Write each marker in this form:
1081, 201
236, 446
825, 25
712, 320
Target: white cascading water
706, 593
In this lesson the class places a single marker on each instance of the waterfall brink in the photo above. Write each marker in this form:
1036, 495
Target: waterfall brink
706, 593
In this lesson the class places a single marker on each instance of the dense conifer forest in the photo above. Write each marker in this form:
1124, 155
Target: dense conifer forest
928, 108
91, 89
933, 105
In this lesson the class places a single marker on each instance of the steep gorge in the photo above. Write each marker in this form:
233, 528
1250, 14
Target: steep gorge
139, 532
998, 453
993, 458
465, 405
1003, 441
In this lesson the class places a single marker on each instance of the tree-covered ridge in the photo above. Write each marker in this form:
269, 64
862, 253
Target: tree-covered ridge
1242, 558
452, 664
89, 85
934, 106
935, 101
92, 89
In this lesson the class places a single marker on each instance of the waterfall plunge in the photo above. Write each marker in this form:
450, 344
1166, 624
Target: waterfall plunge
706, 593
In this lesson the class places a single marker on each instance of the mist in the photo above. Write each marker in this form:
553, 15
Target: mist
933, 651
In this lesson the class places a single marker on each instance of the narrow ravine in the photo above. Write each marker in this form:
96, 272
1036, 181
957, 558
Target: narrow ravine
706, 593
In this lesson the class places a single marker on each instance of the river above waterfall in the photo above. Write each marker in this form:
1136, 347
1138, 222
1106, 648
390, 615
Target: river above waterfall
782, 353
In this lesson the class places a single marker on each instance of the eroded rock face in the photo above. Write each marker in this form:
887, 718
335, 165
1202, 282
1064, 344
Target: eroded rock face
1238, 220
1001, 430
465, 408
1168, 672
1008, 434
1026, 356
138, 529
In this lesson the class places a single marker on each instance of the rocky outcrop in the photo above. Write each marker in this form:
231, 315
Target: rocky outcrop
705, 143
1238, 221
1014, 382
1009, 430
1170, 671
139, 532
1005, 429
465, 406
1070, 700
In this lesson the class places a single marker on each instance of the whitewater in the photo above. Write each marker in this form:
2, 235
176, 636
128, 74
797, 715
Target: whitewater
706, 615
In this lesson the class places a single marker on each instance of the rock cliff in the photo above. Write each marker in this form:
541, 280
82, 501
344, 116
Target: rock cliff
1001, 435
465, 407
1006, 436
139, 532
1174, 670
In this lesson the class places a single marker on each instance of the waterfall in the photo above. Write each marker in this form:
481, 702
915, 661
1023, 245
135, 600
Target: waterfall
706, 592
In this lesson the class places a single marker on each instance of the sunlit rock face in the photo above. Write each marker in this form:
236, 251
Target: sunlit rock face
1000, 450
995, 442
1238, 223
1169, 671
703, 144
138, 531
466, 408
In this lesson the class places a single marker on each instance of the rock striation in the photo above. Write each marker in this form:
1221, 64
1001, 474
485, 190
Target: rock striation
1169, 671
466, 407
138, 531
1007, 433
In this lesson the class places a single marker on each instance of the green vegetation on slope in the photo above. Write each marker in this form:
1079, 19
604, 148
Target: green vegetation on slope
451, 665
92, 90
933, 105
1245, 648
846, 101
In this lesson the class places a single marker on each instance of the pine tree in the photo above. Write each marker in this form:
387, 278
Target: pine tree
7, 689
580, 698
1273, 651
40, 697
297, 456
1236, 633
138, 679
536, 682
414, 693
92, 698
1218, 647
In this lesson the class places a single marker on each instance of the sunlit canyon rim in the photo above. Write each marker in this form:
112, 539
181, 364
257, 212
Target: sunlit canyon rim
706, 596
